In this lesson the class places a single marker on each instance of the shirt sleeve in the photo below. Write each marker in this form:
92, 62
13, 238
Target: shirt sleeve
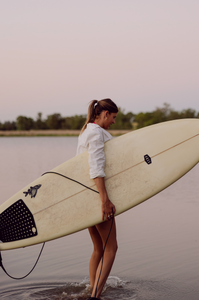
96, 156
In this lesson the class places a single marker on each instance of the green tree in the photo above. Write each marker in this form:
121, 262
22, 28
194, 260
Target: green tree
8, 126
188, 113
174, 115
143, 119
75, 122
54, 121
39, 123
123, 121
78, 122
24, 123
160, 114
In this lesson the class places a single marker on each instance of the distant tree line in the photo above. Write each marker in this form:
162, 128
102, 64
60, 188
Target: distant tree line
123, 121
162, 114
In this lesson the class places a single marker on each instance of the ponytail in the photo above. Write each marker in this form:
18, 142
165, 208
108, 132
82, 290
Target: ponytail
96, 107
91, 114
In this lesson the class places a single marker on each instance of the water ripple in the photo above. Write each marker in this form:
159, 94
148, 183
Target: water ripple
115, 288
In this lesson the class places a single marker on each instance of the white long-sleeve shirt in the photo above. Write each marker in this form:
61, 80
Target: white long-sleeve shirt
93, 139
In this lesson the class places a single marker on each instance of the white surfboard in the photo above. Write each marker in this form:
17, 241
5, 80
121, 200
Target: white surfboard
139, 164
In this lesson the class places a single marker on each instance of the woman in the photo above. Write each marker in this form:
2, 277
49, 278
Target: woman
101, 114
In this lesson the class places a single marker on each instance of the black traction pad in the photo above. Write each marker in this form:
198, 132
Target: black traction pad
17, 223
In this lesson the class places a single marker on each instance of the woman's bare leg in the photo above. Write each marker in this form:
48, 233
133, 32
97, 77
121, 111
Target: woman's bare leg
97, 253
109, 254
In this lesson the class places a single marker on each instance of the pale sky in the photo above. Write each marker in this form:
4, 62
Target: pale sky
57, 55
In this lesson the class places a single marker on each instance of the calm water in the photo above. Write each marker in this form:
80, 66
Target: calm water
158, 255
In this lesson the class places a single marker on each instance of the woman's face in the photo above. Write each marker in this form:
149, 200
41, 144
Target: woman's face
109, 119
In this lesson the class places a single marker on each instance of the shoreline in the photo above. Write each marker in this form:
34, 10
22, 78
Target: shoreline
49, 132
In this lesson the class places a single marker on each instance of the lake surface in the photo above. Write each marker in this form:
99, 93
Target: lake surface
158, 254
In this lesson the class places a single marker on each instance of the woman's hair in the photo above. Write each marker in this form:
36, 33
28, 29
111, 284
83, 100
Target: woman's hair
96, 107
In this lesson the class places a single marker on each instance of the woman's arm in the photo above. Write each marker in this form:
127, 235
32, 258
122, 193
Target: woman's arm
108, 207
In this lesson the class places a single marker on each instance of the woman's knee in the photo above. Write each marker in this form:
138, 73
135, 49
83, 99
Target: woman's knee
112, 247
98, 251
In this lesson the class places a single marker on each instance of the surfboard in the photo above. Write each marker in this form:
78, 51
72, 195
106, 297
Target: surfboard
139, 164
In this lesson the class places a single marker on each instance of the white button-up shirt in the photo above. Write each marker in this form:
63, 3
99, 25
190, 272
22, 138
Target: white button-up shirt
93, 139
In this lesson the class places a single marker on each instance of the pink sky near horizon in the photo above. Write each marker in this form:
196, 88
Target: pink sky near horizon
56, 56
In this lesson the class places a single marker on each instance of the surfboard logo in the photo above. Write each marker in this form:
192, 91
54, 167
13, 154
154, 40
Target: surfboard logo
32, 191
147, 159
